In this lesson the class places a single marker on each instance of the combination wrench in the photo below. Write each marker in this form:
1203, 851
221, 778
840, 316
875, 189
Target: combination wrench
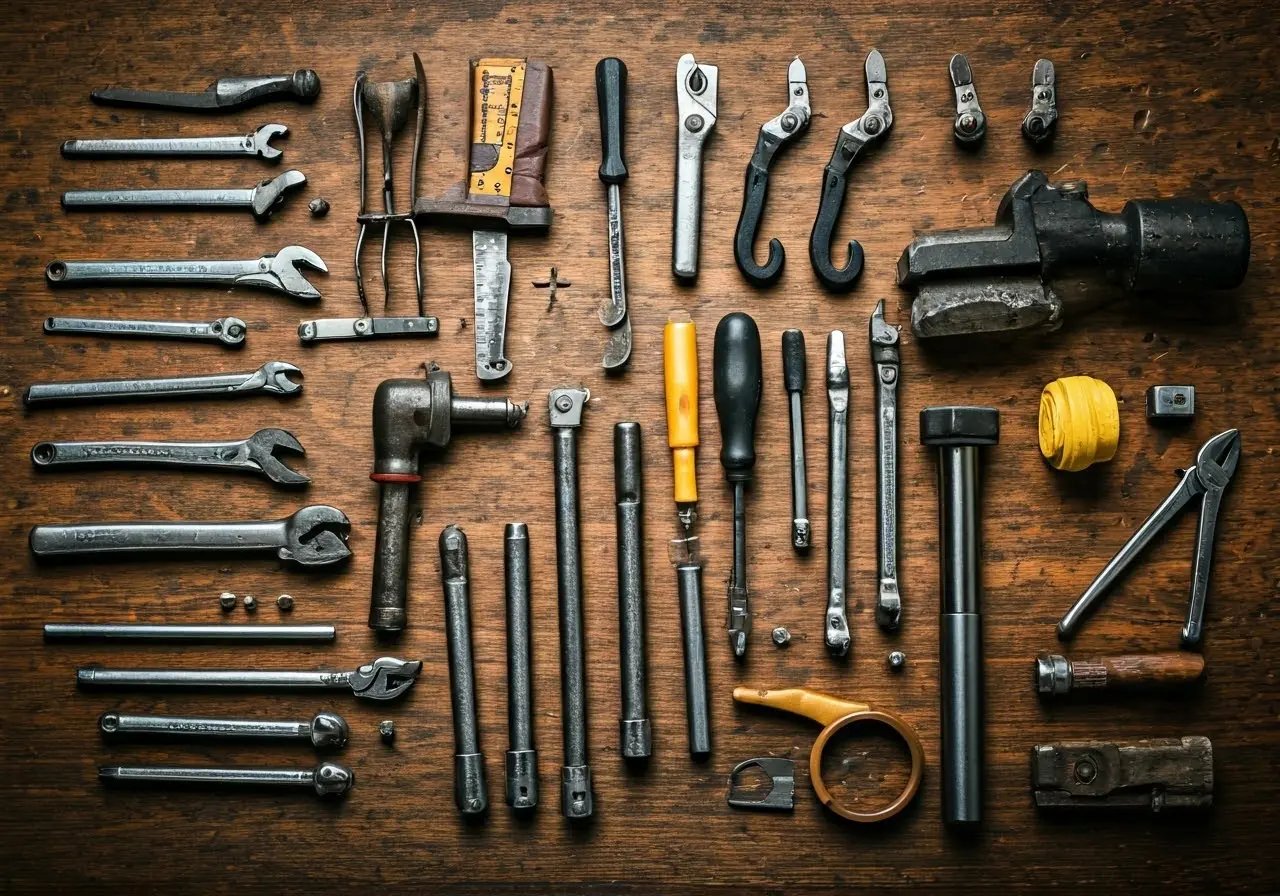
885, 365
254, 144
262, 199
325, 730
837, 629
230, 331
271, 378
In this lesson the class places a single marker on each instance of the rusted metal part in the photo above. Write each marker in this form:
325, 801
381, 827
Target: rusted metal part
1156, 774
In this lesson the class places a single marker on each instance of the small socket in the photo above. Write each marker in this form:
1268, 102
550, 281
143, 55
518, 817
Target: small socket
227, 601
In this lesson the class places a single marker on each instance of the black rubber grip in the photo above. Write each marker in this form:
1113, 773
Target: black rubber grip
611, 95
737, 381
793, 360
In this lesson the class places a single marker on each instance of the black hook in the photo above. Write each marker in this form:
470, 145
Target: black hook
843, 278
744, 239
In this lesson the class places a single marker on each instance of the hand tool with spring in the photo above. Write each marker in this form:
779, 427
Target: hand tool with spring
738, 381
775, 135
855, 136
781, 795
384, 679
223, 95
628, 478
274, 273
470, 793
959, 432
1208, 478
256, 454
324, 731
328, 778
1166, 403
970, 125
522, 758
503, 193
1056, 675
130, 631
312, 536
611, 97
885, 366
408, 416
230, 331
271, 378
1157, 774
1038, 126
680, 378
566, 405
255, 143
262, 199
794, 371
835, 715
996, 279
697, 95
837, 636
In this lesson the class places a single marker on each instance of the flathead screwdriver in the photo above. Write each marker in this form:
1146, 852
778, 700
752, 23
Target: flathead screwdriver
737, 381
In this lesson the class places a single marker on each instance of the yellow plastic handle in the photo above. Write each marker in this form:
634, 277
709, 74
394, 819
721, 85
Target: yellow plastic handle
821, 708
680, 374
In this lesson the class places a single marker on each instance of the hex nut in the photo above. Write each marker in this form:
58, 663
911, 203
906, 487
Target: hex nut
387, 729
285, 603
897, 660
227, 601
781, 636
250, 603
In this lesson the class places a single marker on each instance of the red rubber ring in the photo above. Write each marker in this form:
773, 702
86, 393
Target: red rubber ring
395, 477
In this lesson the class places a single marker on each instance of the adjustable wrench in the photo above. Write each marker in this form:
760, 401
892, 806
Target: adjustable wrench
325, 730
255, 143
256, 454
275, 273
262, 199
697, 93
384, 679
272, 377
837, 632
230, 331
884, 363
313, 536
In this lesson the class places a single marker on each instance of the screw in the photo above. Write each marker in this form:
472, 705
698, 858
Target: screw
968, 123
250, 603
564, 403
781, 636
285, 603
790, 122
387, 729
694, 123
1086, 771
872, 125
319, 207
897, 660
228, 601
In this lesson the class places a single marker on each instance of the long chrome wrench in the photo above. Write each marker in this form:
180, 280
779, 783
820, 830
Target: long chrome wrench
271, 377
254, 144
885, 365
230, 331
837, 629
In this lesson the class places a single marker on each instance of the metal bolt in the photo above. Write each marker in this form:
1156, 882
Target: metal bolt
694, 123
872, 125
1086, 771
790, 122
250, 603
968, 123
387, 729
228, 601
285, 603
781, 636
319, 207
897, 660
564, 403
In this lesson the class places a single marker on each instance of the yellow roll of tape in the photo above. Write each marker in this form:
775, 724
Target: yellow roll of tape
1079, 423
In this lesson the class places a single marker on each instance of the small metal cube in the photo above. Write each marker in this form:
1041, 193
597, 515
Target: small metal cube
1171, 402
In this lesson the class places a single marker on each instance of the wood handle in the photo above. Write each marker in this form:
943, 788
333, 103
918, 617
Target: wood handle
1154, 670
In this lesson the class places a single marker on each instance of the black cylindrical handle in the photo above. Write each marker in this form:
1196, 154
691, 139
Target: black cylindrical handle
1185, 243
737, 380
793, 360
611, 95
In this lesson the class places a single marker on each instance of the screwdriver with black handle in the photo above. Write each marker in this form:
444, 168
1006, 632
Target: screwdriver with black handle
611, 96
737, 382
680, 377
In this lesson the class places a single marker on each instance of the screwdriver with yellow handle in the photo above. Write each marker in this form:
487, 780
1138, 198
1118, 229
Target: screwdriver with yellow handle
680, 375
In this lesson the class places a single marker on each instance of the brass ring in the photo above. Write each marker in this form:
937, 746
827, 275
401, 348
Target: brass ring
903, 730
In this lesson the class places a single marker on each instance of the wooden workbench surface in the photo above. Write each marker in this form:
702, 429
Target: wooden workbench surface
1156, 100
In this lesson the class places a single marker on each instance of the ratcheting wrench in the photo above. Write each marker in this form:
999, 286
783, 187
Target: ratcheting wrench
256, 454
884, 363
262, 199
223, 95
313, 536
837, 628
324, 730
384, 679
272, 377
230, 331
697, 90
255, 143
275, 273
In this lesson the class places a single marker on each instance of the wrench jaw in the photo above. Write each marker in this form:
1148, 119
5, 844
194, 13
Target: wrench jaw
272, 377
260, 141
385, 678
270, 194
262, 451
281, 273
317, 536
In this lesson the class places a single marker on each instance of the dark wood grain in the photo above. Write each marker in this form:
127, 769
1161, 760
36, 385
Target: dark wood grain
1157, 99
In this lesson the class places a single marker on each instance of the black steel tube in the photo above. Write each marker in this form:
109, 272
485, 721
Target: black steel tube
522, 758
697, 706
391, 559
469, 790
634, 726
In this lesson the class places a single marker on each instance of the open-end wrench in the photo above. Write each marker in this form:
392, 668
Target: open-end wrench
837, 630
256, 454
384, 679
272, 378
262, 199
328, 778
255, 143
230, 331
223, 95
325, 730
275, 273
313, 536
884, 363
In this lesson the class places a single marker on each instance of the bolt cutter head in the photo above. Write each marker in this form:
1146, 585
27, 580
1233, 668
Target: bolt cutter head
1217, 459
385, 678
263, 448
260, 141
